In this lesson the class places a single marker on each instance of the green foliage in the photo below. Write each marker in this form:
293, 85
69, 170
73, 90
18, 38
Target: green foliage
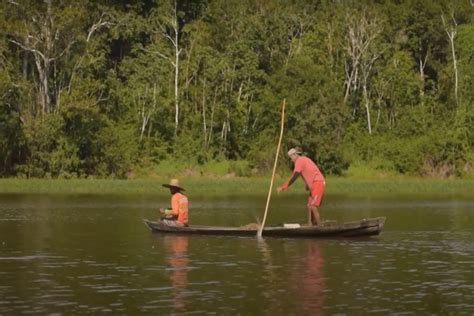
261, 156
94, 89
43, 143
465, 51
115, 150
188, 149
10, 138
421, 146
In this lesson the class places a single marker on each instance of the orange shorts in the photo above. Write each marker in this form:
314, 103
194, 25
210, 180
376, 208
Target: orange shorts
316, 193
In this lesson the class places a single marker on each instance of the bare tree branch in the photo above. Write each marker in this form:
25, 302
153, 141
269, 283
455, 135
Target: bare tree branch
33, 50
97, 26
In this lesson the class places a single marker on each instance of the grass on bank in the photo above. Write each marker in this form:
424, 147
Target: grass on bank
239, 186
236, 178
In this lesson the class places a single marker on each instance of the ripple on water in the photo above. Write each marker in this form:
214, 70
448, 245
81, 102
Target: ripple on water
28, 258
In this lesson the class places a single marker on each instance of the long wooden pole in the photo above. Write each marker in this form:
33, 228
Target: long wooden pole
260, 229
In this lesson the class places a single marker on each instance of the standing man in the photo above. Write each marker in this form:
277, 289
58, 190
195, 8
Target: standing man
313, 179
178, 214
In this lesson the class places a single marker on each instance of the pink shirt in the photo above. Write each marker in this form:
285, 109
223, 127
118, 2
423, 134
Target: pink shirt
308, 170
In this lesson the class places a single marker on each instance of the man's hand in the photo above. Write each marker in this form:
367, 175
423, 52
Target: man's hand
282, 187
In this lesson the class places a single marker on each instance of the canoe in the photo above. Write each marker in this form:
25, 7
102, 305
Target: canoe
364, 227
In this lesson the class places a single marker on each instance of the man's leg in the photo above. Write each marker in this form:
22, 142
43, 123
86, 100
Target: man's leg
316, 195
316, 217
313, 212
171, 221
310, 216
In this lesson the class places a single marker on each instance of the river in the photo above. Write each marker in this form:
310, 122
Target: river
92, 254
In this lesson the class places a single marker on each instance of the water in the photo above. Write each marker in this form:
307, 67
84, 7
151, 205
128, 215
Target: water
91, 254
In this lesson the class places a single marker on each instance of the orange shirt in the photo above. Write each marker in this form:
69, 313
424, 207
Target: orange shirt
179, 207
308, 170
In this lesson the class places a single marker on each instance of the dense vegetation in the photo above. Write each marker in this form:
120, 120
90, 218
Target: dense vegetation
105, 88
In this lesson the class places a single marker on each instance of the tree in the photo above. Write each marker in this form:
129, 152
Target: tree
46, 31
165, 30
362, 31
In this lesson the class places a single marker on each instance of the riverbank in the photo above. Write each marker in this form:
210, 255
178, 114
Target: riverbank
240, 186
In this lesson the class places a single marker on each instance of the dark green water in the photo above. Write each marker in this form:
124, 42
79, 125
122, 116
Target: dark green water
91, 254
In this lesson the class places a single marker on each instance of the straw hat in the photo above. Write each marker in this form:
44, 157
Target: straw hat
174, 183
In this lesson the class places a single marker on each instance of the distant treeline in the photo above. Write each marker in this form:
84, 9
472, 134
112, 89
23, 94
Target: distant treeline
101, 88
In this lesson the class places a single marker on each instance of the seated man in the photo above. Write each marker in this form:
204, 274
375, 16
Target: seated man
178, 214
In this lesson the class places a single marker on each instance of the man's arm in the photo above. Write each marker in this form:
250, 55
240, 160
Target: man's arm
290, 181
293, 178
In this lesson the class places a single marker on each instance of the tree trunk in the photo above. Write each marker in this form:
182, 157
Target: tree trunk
176, 67
451, 32
211, 124
204, 123
367, 107
176, 83
42, 66
455, 67
422, 65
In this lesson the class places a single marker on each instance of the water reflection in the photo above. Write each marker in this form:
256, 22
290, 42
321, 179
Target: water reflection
309, 279
270, 275
302, 276
177, 247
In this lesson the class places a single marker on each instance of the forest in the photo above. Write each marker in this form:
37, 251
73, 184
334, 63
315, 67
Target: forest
102, 88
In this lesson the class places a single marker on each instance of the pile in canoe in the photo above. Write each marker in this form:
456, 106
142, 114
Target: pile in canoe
364, 227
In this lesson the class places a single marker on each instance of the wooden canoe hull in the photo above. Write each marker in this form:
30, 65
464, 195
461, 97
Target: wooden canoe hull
365, 227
